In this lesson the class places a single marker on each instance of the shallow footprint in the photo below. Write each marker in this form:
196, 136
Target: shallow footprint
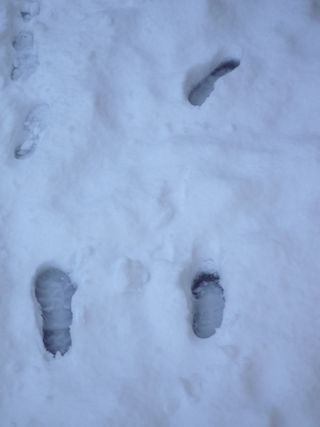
25, 60
54, 291
29, 9
23, 41
24, 66
205, 87
33, 128
208, 304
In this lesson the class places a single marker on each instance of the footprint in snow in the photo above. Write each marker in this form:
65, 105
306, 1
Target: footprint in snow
205, 87
33, 128
25, 60
54, 291
208, 303
23, 41
29, 9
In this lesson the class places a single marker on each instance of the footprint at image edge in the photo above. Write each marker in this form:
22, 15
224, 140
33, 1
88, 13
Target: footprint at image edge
29, 9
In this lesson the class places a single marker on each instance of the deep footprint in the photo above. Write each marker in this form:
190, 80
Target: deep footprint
208, 304
205, 87
54, 291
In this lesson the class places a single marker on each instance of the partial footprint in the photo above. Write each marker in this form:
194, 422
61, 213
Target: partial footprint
54, 291
29, 9
205, 87
33, 130
25, 60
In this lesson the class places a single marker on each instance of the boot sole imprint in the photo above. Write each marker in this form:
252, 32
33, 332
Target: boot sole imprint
54, 291
208, 304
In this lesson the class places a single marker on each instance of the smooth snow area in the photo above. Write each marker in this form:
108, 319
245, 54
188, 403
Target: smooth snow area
130, 188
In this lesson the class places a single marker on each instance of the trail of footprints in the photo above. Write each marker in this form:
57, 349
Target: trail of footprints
25, 63
54, 290
53, 287
25, 59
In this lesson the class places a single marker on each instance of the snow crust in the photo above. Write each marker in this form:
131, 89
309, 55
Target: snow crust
130, 186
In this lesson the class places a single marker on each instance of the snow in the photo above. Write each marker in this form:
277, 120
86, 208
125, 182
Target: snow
130, 188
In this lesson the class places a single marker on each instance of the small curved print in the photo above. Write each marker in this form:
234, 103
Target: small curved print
208, 304
205, 87
54, 291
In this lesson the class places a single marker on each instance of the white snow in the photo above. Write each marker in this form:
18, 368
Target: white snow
131, 187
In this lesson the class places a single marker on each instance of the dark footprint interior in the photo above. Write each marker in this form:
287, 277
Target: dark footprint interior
205, 87
54, 291
21, 153
208, 304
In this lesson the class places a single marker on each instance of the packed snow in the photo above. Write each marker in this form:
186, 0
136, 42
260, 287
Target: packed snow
111, 175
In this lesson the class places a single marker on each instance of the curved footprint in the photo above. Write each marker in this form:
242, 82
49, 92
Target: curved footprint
205, 87
54, 291
208, 304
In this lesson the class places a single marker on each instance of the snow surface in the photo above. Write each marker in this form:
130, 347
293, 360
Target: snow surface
131, 186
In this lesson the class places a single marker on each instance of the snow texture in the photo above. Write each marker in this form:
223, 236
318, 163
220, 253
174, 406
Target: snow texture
130, 186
